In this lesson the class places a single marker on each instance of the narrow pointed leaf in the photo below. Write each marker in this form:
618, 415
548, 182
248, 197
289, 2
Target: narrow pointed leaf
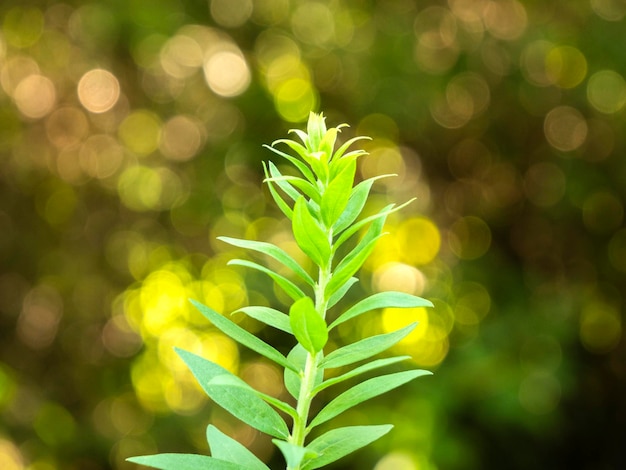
242, 336
269, 316
377, 364
226, 448
358, 198
306, 172
280, 202
287, 184
278, 404
309, 235
364, 391
308, 326
391, 208
185, 462
355, 259
341, 150
336, 196
289, 287
273, 251
235, 395
365, 348
387, 299
340, 442
339, 293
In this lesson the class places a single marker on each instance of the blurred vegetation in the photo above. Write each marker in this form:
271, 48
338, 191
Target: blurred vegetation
130, 137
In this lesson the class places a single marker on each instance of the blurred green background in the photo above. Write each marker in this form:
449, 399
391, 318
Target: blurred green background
130, 137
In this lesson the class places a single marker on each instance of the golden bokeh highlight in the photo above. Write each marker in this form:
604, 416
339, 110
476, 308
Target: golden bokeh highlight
565, 128
10, 456
505, 19
98, 90
398, 277
35, 96
181, 138
227, 73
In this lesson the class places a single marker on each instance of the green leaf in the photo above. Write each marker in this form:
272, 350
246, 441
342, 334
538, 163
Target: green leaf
355, 259
226, 448
297, 357
240, 335
358, 198
280, 202
185, 462
273, 251
364, 391
340, 442
269, 316
234, 395
339, 293
294, 455
289, 287
328, 142
364, 348
309, 235
316, 129
336, 195
308, 326
381, 300
341, 150
278, 404
297, 163
287, 184
377, 364
391, 208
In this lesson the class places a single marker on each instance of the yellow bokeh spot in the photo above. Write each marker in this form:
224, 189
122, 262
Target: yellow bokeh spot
396, 318
429, 353
566, 66
418, 241
295, 99
606, 91
140, 131
163, 302
10, 456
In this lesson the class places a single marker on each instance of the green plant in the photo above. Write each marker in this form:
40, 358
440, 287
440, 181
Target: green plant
323, 205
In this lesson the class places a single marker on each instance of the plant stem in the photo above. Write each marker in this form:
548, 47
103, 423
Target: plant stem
307, 384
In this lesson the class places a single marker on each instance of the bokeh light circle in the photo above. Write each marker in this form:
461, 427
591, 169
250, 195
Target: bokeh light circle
565, 128
35, 96
294, 99
606, 91
98, 90
227, 73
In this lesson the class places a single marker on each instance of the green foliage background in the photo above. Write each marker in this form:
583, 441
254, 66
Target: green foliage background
130, 138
